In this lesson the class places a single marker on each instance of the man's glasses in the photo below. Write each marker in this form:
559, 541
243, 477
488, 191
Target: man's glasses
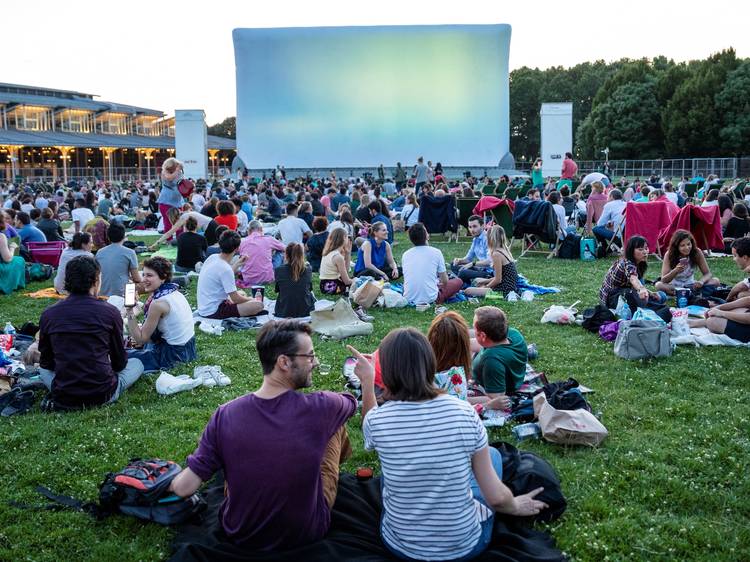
310, 356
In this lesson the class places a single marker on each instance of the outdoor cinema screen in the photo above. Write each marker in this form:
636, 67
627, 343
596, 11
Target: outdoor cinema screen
333, 97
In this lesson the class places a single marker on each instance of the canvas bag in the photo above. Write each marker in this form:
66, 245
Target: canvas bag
339, 321
642, 339
568, 427
367, 293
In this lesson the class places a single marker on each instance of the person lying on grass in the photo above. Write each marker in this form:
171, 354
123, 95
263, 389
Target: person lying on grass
680, 262
499, 368
280, 449
441, 481
732, 318
168, 333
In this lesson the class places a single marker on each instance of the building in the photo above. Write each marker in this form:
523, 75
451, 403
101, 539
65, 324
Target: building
59, 134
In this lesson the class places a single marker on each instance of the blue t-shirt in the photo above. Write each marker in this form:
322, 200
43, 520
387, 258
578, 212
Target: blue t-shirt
169, 195
30, 233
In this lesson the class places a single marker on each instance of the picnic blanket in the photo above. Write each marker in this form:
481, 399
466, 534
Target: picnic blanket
704, 337
702, 222
48, 293
524, 285
354, 534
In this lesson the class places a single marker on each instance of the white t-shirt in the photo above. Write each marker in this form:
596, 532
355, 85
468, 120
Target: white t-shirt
425, 451
421, 265
562, 220
292, 229
410, 218
215, 282
82, 215
27, 208
177, 327
198, 201
672, 196
202, 220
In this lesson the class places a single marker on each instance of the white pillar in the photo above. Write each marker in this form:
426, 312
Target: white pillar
557, 136
191, 142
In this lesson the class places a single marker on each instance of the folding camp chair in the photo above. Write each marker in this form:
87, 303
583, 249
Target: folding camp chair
690, 190
616, 243
488, 189
46, 252
503, 216
465, 207
523, 191
739, 191
510, 193
532, 222
501, 187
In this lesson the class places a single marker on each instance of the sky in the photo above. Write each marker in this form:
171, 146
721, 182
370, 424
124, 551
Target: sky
171, 55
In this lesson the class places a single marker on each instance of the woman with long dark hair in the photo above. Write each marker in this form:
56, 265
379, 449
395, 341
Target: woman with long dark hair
680, 262
81, 245
441, 480
738, 225
625, 278
293, 284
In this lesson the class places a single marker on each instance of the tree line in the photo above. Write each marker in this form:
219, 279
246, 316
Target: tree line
639, 109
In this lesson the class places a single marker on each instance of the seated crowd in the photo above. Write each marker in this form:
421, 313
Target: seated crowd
299, 439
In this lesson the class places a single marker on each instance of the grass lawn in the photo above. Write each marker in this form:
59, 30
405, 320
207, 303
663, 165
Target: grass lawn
670, 482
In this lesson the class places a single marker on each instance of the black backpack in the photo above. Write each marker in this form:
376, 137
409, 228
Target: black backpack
565, 395
570, 248
593, 318
141, 489
523, 472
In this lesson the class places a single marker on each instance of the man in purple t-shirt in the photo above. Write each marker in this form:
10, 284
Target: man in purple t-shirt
280, 449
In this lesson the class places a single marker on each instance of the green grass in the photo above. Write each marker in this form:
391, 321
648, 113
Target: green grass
670, 482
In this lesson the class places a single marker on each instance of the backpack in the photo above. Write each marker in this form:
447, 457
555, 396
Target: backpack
565, 395
141, 489
523, 472
152, 221
570, 248
39, 272
594, 318
185, 187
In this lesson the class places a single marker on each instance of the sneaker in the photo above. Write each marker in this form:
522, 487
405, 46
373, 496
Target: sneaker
362, 314
213, 373
527, 296
512, 297
202, 374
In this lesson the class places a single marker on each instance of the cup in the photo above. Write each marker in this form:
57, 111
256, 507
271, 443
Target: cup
682, 296
324, 368
422, 307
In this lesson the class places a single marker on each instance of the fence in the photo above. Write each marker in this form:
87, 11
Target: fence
677, 168
77, 174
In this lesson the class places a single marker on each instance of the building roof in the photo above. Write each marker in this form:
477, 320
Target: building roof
64, 99
94, 140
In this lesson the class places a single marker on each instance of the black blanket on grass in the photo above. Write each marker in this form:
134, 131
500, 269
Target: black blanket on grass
354, 534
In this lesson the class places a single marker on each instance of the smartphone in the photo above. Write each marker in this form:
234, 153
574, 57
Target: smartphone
684, 261
130, 294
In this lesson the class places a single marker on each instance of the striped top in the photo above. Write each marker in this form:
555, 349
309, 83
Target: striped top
425, 451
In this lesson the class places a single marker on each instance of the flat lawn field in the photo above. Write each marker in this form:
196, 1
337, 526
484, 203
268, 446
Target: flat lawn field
670, 482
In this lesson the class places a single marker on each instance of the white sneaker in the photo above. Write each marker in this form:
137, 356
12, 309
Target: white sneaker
212, 376
527, 296
215, 329
204, 376
362, 315
512, 297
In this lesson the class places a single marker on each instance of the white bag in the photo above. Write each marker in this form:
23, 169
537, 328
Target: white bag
568, 427
393, 299
557, 314
339, 321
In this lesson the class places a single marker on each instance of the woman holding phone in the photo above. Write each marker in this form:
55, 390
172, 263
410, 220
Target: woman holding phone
680, 264
167, 334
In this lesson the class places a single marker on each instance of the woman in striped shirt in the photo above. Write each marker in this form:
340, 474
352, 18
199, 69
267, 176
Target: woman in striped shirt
441, 480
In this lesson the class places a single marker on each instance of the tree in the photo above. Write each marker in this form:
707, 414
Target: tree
226, 129
628, 123
690, 121
525, 85
733, 104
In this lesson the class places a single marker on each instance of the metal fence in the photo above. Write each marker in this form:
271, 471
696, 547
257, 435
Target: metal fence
675, 168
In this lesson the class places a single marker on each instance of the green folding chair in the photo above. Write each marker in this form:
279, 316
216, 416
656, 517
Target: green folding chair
488, 189
465, 207
690, 190
503, 216
501, 187
523, 191
511, 193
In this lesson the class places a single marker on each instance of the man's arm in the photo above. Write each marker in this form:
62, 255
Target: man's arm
118, 358
237, 298
185, 484
737, 289
365, 372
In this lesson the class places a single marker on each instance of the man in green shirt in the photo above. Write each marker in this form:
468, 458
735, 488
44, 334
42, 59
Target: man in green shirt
501, 365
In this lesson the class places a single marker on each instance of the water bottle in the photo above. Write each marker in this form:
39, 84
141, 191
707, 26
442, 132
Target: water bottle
9, 329
527, 431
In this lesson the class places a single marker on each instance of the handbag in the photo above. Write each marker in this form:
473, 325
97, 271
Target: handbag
568, 427
185, 187
642, 339
338, 321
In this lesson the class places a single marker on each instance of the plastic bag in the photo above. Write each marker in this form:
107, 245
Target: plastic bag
647, 314
622, 310
679, 325
557, 314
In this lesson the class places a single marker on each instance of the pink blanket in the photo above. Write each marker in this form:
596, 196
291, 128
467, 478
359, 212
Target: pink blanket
703, 222
648, 220
488, 202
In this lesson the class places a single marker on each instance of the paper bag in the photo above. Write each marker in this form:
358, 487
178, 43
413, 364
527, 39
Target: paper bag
339, 321
568, 427
367, 293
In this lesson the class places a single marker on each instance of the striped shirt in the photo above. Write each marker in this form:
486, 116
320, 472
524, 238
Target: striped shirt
425, 451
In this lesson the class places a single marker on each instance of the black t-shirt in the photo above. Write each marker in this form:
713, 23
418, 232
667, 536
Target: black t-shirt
295, 298
274, 209
737, 228
318, 208
363, 214
307, 217
315, 246
191, 248
209, 210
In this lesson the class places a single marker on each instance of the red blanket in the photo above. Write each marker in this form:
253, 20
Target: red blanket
704, 223
488, 202
647, 220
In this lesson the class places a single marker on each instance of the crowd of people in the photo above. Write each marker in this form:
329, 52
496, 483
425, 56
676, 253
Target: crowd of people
242, 237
